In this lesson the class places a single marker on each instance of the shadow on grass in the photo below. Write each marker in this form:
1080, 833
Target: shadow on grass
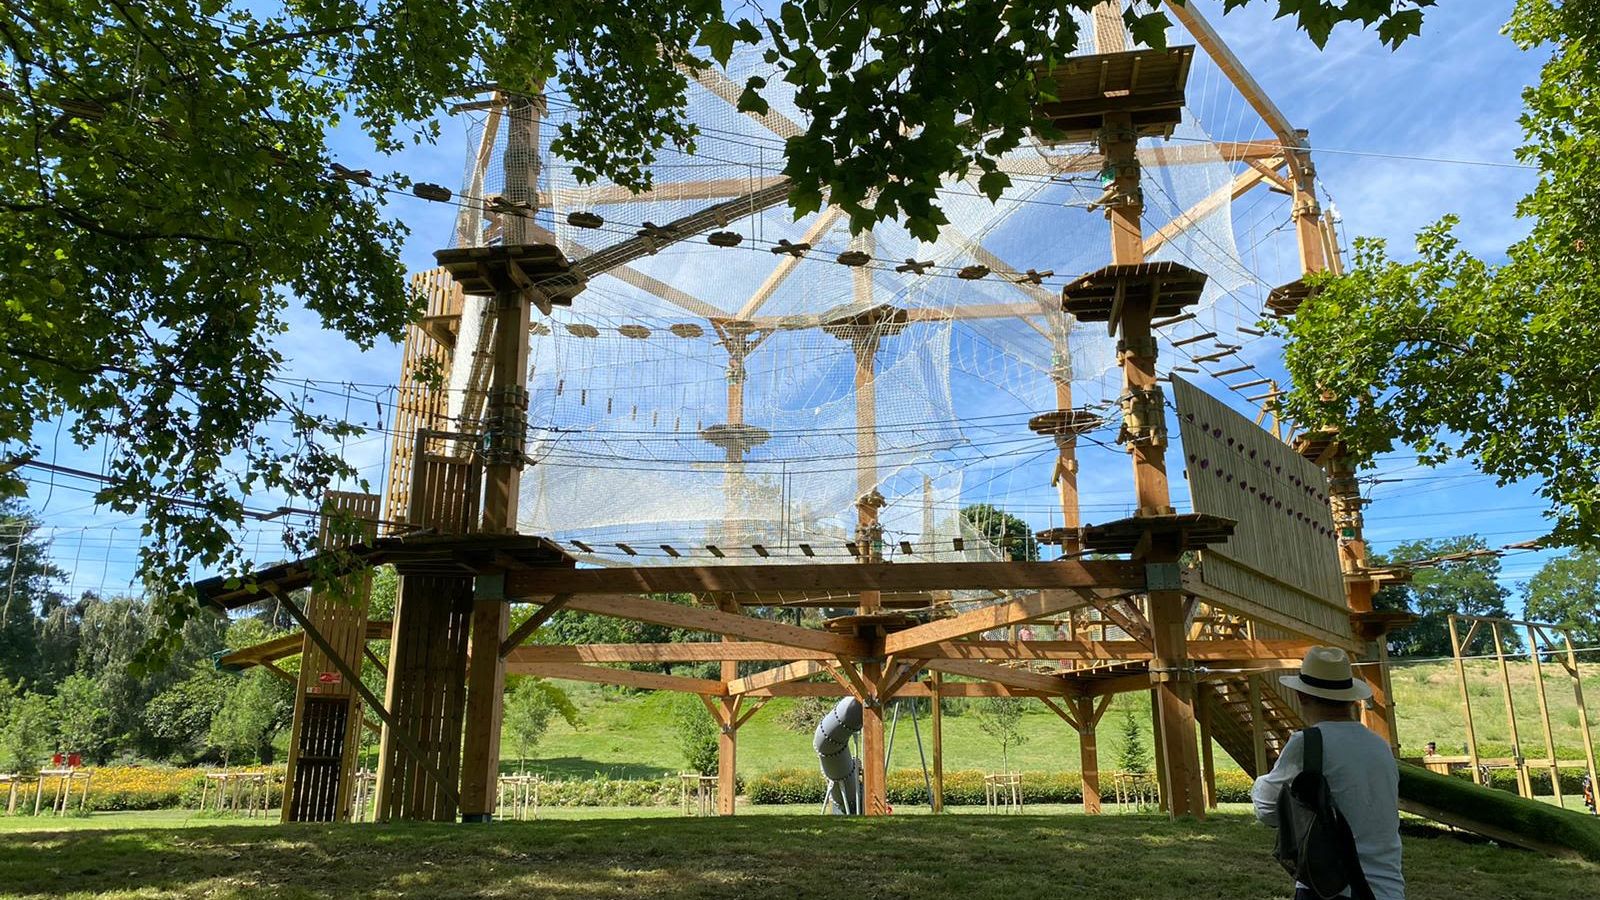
966, 857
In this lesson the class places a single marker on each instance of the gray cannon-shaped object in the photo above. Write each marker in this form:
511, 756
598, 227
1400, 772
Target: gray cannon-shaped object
843, 771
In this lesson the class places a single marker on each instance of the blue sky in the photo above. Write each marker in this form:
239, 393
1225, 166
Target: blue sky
1382, 122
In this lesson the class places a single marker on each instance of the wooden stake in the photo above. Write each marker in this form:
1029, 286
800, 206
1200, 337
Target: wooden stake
1524, 784
1583, 710
1544, 715
1466, 699
873, 765
1208, 766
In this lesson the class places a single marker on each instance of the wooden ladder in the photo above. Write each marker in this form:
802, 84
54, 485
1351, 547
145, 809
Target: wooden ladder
1231, 725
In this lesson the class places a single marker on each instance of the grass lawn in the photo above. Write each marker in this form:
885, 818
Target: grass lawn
631, 735
973, 857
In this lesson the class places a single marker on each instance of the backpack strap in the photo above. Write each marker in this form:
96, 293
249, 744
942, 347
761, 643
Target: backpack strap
1311, 749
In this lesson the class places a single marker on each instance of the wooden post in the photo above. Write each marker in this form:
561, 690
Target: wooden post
938, 744
1208, 765
873, 768
868, 535
1524, 784
506, 437
1088, 753
1583, 711
1544, 715
728, 745
1258, 729
1466, 699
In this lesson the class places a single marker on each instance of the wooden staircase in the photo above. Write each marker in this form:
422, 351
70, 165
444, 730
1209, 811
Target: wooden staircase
1231, 726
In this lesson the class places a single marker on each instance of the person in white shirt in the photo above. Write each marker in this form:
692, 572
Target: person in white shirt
1358, 764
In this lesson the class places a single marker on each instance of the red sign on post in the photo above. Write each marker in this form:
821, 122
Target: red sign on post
330, 678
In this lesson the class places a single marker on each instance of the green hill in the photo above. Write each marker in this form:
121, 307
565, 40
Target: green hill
632, 735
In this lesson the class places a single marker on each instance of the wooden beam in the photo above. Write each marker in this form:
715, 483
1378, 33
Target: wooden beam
908, 690
1242, 183
532, 623
696, 651
629, 275
824, 221
1044, 603
1120, 576
625, 677
794, 671
1223, 56
1122, 651
726, 88
660, 612
1016, 678
663, 191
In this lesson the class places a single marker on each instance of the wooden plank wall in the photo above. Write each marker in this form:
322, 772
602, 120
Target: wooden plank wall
418, 405
426, 691
325, 737
426, 695
1284, 551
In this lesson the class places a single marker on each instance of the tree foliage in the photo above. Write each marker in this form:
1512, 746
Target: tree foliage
697, 734
1566, 591
1467, 587
1006, 531
1001, 719
1457, 357
529, 705
27, 729
1134, 756
172, 194
83, 723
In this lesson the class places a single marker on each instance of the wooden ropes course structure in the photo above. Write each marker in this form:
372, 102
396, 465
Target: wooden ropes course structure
1191, 608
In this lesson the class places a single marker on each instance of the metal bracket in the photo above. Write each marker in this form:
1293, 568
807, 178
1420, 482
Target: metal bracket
1163, 576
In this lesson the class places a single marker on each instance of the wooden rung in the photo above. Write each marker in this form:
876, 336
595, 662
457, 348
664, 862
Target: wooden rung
1250, 384
760, 550
1195, 339
626, 549
582, 546
714, 551
1233, 371
905, 547
671, 551
1172, 321
806, 549
1213, 357
959, 544
853, 548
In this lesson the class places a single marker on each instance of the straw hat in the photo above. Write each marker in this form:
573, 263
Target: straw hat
1325, 673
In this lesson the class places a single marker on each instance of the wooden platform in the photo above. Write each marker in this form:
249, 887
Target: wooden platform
1101, 295
1066, 421
454, 554
1319, 446
541, 270
1146, 84
1283, 300
880, 320
737, 438
1189, 531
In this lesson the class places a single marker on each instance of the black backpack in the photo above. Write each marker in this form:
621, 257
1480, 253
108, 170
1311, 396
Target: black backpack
1315, 843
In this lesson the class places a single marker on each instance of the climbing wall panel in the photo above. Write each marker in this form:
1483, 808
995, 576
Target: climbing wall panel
325, 737
1283, 555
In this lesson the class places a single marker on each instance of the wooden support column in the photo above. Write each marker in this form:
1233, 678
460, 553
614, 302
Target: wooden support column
874, 774
1172, 676
1208, 764
1089, 750
1258, 727
505, 434
938, 743
728, 746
